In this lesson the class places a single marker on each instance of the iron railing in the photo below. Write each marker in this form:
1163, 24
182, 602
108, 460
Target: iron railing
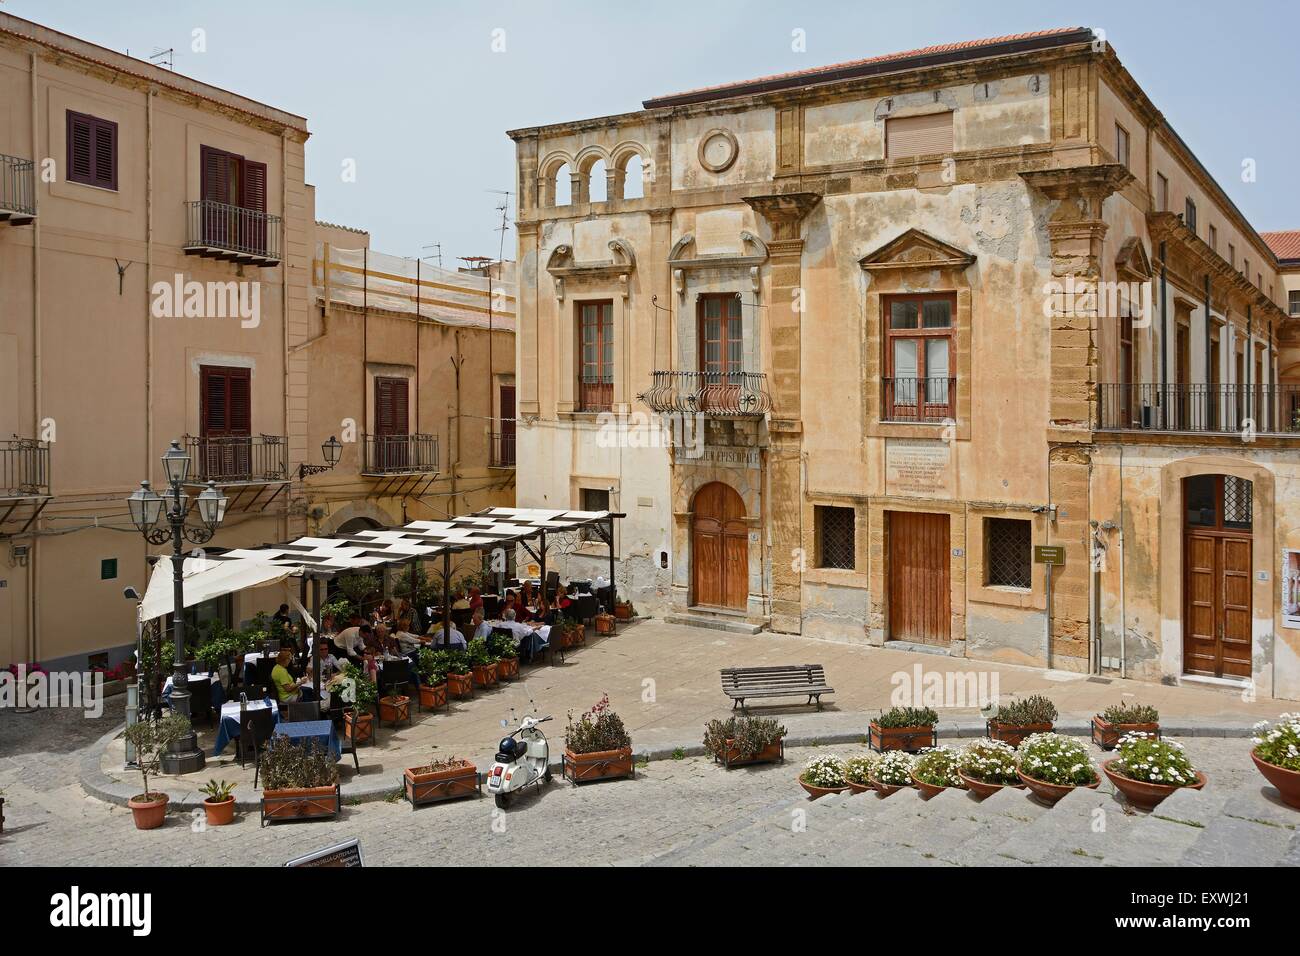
220, 229
24, 468
501, 449
400, 454
17, 188
595, 393
718, 394
919, 399
1219, 408
246, 458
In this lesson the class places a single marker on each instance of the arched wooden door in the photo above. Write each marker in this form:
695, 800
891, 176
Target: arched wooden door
719, 548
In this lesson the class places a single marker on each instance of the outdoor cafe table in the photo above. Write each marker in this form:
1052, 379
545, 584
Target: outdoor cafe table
218, 692
228, 729
319, 731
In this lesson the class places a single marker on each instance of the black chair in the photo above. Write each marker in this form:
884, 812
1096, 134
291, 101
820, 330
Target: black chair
491, 606
552, 582
255, 729
271, 648
394, 677
261, 680
461, 617
302, 710
201, 700
348, 744
585, 608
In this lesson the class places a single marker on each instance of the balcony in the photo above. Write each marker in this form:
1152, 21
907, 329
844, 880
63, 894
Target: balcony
713, 394
239, 459
386, 455
17, 190
24, 483
1199, 409
919, 400
595, 393
501, 449
217, 230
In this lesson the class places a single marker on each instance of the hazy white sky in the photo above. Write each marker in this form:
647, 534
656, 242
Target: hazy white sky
414, 93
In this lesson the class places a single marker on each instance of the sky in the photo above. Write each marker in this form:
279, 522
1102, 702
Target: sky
419, 95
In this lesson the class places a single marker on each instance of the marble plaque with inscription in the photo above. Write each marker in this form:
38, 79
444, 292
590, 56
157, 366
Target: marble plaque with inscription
918, 467
591, 241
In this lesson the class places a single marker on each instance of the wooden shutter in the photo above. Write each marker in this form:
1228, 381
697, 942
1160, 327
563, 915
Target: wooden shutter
227, 402
391, 406
918, 135
92, 150
254, 186
80, 135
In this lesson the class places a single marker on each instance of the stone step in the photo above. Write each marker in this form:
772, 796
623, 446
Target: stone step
1161, 837
715, 621
1080, 830
1253, 829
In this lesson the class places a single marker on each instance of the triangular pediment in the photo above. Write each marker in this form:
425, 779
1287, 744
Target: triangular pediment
915, 249
1133, 258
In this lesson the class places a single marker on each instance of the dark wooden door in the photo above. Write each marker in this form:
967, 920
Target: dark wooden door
719, 548
919, 595
1217, 568
225, 423
506, 453
391, 423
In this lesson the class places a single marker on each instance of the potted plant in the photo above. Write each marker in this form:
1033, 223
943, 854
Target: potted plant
1120, 719
2, 810
561, 632
219, 802
1277, 756
857, 771
151, 741
738, 741
903, 728
502, 647
1149, 769
935, 770
433, 678
440, 780
604, 622
623, 610
824, 775
460, 679
597, 746
1051, 765
1013, 722
482, 664
986, 766
892, 772
360, 691
299, 782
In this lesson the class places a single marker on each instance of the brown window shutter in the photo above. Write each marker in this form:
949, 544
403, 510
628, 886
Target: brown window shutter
241, 401
80, 137
255, 186
391, 406
214, 174
227, 401
105, 157
213, 394
918, 135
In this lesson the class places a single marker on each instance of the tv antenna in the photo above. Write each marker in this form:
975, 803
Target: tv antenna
164, 58
437, 252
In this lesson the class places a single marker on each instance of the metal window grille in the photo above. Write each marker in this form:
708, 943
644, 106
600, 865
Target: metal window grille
835, 538
1236, 502
1007, 552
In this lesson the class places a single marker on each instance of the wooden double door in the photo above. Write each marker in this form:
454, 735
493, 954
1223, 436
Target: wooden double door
719, 548
920, 595
1217, 568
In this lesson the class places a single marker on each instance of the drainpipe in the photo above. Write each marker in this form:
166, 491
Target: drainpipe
33, 579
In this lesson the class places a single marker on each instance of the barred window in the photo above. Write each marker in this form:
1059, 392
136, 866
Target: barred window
592, 499
835, 537
1007, 553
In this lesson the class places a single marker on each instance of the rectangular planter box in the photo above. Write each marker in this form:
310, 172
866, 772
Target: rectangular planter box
601, 765
438, 785
1106, 735
508, 668
604, 623
365, 726
460, 685
394, 709
770, 754
910, 739
1013, 734
485, 675
315, 803
433, 696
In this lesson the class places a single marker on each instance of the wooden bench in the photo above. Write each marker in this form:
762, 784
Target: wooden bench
787, 680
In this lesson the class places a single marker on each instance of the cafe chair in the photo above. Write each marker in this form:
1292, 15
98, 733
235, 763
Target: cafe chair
255, 730
201, 700
552, 582
348, 744
302, 710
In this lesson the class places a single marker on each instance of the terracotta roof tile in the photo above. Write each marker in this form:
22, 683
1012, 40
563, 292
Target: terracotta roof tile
1285, 245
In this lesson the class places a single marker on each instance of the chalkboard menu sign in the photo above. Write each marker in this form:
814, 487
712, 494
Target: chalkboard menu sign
339, 855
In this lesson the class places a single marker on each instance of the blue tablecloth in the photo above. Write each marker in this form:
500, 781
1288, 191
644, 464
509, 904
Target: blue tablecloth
228, 730
320, 731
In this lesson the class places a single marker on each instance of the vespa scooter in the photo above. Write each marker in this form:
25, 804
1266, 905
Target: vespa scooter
523, 760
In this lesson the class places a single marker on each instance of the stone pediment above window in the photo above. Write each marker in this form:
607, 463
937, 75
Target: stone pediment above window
915, 249
1133, 260
619, 266
751, 253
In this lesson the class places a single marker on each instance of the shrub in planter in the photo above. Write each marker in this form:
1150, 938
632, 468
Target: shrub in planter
219, 802
986, 766
440, 780
432, 666
1277, 756
299, 782
482, 663
824, 775
1051, 765
460, 678
503, 649
359, 690
1015, 721
857, 771
903, 728
623, 610
597, 745
892, 772
151, 740
1147, 770
935, 770
744, 740
1120, 719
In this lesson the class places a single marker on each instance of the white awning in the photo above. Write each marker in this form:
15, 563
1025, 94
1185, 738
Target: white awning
206, 579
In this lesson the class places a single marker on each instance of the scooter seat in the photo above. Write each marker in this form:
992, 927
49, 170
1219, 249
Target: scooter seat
510, 750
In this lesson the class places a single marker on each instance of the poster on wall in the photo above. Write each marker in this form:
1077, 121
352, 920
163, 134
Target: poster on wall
1290, 588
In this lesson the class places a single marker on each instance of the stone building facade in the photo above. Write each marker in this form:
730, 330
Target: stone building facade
959, 349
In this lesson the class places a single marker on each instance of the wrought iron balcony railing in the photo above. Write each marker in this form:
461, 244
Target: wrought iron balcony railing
1222, 409
931, 400
501, 449
17, 190
595, 393
240, 458
400, 454
24, 468
717, 394
221, 231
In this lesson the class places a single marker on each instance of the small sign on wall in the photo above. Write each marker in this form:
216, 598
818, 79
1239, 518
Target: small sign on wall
1290, 588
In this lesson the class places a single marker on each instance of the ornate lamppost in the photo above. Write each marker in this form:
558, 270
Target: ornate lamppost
173, 509
331, 449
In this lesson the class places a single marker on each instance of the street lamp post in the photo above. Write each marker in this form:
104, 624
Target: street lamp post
147, 508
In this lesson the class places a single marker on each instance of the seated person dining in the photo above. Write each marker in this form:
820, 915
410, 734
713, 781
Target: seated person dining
478, 626
436, 633
288, 690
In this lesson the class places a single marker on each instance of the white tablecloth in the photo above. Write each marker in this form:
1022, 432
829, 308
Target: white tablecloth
231, 708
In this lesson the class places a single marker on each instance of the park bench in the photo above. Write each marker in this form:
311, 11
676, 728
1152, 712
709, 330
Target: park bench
787, 680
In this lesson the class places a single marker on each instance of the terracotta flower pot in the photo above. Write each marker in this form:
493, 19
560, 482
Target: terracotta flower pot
928, 790
312, 803
856, 787
1106, 735
434, 786
220, 813
604, 623
1051, 793
485, 675
732, 757
460, 685
984, 790
910, 739
1286, 781
816, 792
149, 810
887, 789
508, 668
394, 709
623, 610
359, 727
599, 765
1143, 795
1013, 734
578, 634
433, 696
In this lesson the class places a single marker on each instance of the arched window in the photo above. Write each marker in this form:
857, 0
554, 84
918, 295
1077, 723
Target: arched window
596, 187
633, 179
563, 186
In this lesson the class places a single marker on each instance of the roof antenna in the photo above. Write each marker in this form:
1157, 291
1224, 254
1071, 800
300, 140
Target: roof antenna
164, 58
437, 252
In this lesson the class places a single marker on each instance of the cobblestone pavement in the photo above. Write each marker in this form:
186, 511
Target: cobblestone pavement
687, 812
